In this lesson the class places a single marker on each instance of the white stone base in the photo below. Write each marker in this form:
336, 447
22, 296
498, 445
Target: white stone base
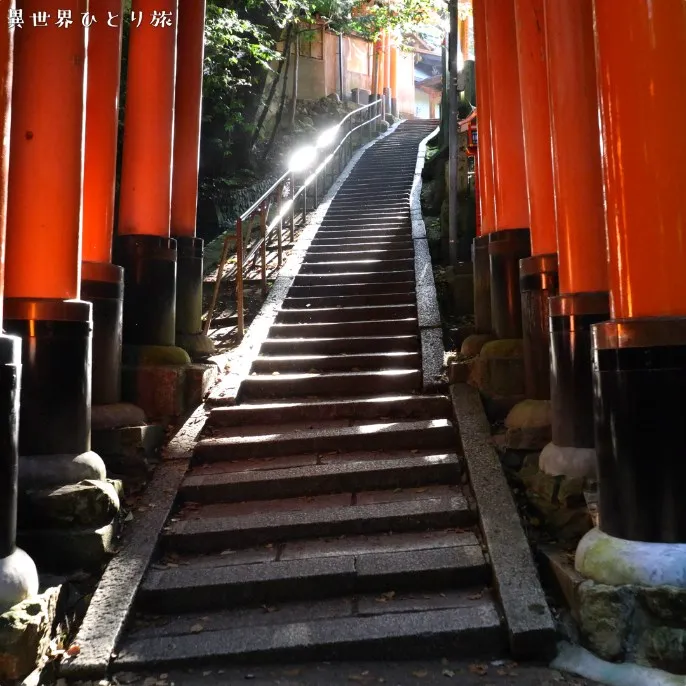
18, 579
616, 562
576, 463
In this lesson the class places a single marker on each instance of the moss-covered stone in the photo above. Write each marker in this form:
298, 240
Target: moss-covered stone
25, 635
473, 344
606, 614
529, 425
155, 355
663, 647
88, 503
503, 347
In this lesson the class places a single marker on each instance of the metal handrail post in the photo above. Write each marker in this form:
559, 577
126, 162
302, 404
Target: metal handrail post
263, 251
292, 227
239, 277
279, 237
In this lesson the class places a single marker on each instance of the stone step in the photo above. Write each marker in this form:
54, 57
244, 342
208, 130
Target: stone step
370, 220
345, 266
329, 253
463, 624
361, 288
219, 527
339, 246
262, 479
326, 363
361, 277
351, 206
331, 384
398, 407
437, 434
332, 346
378, 299
309, 315
378, 327
315, 569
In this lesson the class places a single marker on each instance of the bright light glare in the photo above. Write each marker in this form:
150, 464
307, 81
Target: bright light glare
302, 159
326, 138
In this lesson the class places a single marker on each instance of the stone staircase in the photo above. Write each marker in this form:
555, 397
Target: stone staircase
328, 514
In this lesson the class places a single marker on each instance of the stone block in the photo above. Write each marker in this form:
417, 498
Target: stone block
87, 503
499, 370
145, 355
663, 647
199, 380
115, 416
130, 451
605, 615
529, 425
160, 390
472, 345
67, 550
25, 634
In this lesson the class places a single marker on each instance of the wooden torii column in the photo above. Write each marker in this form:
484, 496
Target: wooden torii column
184, 198
487, 199
43, 255
582, 256
639, 355
538, 273
103, 282
18, 575
143, 245
509, 242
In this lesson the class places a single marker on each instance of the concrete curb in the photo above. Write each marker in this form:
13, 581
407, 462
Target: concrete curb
109, 609
240, 360
530, 625
428, 313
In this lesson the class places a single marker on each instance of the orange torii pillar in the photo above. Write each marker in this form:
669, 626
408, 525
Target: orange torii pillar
143, 245
184, 199
102, 283
18, 575
639, 355
394, 80
43, 257
510, 242
480, 261
582, 256
538, 273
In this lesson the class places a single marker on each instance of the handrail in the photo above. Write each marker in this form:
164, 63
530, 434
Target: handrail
340, 155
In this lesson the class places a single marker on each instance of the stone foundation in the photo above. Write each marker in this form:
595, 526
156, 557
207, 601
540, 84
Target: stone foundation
629, 623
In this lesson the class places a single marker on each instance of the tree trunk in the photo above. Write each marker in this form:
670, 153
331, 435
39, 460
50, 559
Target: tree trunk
274, 84
282, 105
296, 65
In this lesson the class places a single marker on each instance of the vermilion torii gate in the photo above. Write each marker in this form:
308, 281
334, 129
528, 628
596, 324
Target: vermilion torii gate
605, 177
63, 292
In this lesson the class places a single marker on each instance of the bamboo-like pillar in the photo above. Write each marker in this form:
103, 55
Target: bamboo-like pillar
394, 80
143, 245
18, 575
510, 241
487, 200
43, 257
102, 282
184, 198
582, 256
538, 273
639, 356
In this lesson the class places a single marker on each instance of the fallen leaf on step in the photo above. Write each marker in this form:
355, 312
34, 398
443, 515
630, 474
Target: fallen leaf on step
448, 672
385, 597
291, 672
478, 669
227, 552
476, 596
420, 673
197, 628
73, 649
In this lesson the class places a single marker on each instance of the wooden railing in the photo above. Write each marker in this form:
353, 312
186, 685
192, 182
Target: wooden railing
312, 167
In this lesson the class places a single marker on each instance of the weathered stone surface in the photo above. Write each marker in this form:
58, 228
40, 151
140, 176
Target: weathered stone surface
498, 371
159, 390
115, 416
129, 451
199, 380
568, 461
66, 550
663, 647
529, 414
665, 603
25, 634
144, 355
197, 345
472, 344
88, 503
605, 615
